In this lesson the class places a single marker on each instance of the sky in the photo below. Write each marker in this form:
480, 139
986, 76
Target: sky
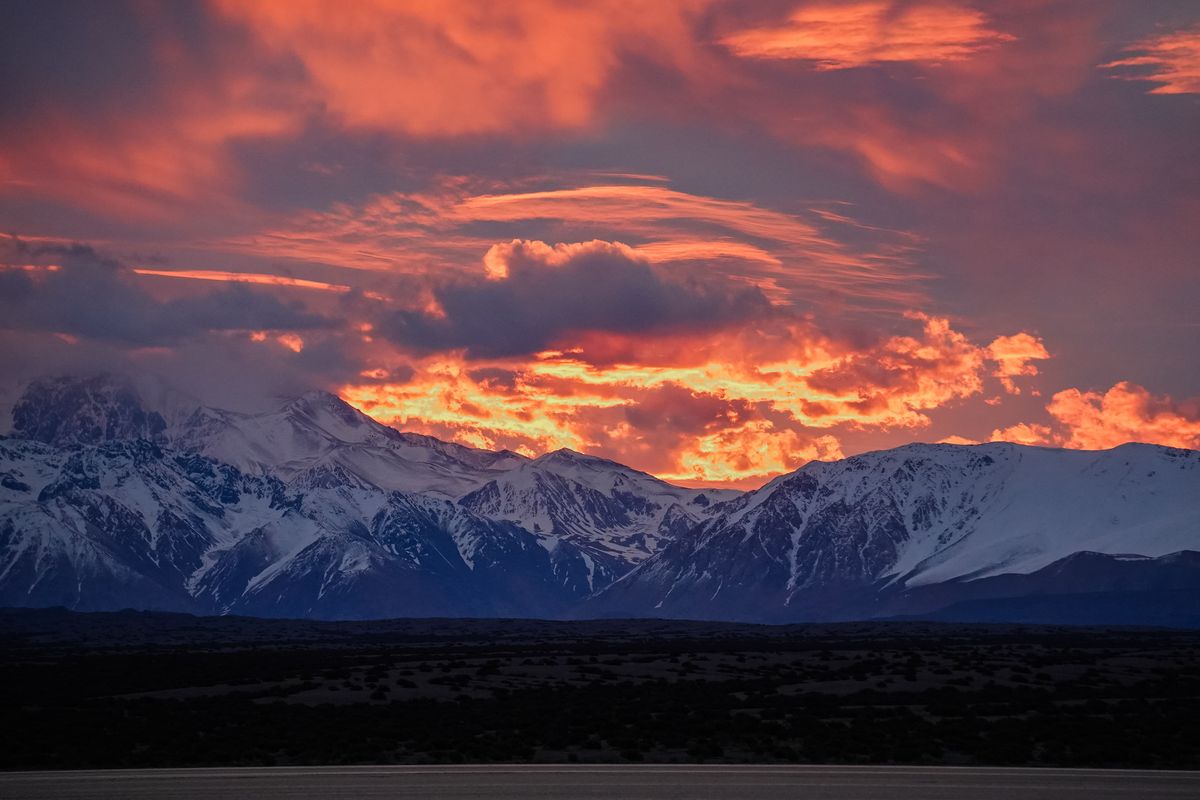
710, 240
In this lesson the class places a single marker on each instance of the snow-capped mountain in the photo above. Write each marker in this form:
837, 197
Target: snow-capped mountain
131, 523
840, 539
615, 515
315, 509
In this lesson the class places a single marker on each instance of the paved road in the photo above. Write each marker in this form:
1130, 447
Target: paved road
619, 782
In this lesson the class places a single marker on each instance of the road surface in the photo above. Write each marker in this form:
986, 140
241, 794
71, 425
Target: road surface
516, 782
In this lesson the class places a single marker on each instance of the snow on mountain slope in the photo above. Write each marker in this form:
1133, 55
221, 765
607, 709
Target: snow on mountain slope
134, 524
1135, 498
319, 430
355, 554
122, 522
819, 541
616, 515
594, 519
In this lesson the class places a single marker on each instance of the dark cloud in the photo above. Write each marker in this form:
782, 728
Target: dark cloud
74, 290
222, 370
676, 409
538, 293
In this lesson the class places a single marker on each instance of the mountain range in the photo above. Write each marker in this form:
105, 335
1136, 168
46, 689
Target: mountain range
112, 496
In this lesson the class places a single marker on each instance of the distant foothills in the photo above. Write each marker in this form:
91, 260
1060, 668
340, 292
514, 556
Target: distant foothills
110, 499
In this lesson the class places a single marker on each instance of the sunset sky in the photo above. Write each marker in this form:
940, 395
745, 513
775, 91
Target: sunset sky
710, 240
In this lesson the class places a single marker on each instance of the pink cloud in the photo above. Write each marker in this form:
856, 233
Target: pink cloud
858, 34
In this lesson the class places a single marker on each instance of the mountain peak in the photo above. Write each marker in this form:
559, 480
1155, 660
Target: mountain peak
317, 399
566, 457
566, 454
324, 407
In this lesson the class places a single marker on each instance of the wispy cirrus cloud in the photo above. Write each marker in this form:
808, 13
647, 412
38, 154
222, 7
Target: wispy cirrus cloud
789, 256
1170, 60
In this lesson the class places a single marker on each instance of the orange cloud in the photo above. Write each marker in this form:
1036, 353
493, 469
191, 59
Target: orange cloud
705, 250
1013, 355
122, 173
899, 154
1125, 413
1097, 421
1024, 433
1171, 60
291, 341
858, 34
744, 455
957, 440
893, 384
456, 67
802, 253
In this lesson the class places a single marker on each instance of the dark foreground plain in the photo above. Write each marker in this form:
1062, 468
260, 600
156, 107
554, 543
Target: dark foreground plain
125, 690
630, 782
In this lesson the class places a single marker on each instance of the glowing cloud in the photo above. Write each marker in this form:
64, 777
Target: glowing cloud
858, 34
732, 407
1125, 413
746, 454
1097, 421
1013, 355
291, 341
1023, 433
891, 385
